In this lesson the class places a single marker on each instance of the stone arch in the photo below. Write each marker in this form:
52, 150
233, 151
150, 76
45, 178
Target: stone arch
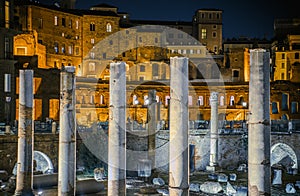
285, 117
282, 153
43, 163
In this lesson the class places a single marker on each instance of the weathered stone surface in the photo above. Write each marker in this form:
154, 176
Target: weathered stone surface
289, 188
230, 191
277, 177
222, 178
211, 187
3, 175
232, 177
158, 181
194, 187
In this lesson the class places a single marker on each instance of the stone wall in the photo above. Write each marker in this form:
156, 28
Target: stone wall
232, 149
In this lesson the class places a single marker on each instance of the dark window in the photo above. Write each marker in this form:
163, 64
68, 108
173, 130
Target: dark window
236, 73
63, 22
171, 35
282, 56
297, 55
40, 23
274, 108
142, 68
284, 102
92, 27
155, 70
294, 109
104, 55
56, 47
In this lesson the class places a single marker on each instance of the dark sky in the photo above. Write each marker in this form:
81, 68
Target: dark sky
250, 18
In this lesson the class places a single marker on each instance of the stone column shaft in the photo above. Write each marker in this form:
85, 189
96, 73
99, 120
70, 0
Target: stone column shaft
259, 172
25, 134
67, 133
117, 130
179, 116
213, 130
152, 126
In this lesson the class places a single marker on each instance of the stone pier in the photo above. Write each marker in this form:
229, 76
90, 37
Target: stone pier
259, 170
213, 158
179, 116
24, 178
67, 133
117, 130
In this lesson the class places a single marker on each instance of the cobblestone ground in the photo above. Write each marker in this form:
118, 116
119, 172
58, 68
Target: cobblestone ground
134, 185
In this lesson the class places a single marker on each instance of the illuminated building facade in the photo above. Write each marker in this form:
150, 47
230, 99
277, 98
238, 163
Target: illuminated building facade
52, 37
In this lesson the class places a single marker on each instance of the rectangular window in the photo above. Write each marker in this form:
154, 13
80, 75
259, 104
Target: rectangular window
203, 34
104, 55
284, 102
55, 20
294, 109
92, 55
56, 47
63, 49
180, 35
63, 22
7, 48
71, 49
214, 34
296, 55
282, 66
76, 50
171, 35
141, 78
283, 56
70, 23
92, 41
54, 109
7, 14
142, 68
282, 76
77, 24
40, 23
92, 26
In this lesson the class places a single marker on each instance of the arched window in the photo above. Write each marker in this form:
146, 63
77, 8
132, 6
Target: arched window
157, 99
146, 100
108, 27
200, 101
167, 100
135, 100
231, 100
101, 99
222, 100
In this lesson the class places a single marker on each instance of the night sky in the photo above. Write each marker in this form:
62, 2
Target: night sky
251, 18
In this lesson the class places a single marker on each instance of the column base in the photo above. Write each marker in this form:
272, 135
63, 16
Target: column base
210, 168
